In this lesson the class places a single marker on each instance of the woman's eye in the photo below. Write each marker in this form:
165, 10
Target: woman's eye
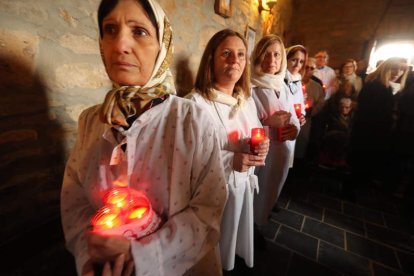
241, 55
140, 31
226, 53
109, 29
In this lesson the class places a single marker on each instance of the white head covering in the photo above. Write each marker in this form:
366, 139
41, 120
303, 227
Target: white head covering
118, 105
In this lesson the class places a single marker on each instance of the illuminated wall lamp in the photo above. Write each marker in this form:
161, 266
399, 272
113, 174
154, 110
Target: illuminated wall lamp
270, 4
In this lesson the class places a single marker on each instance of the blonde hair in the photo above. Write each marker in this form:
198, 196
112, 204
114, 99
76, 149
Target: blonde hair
260, 49
383, 72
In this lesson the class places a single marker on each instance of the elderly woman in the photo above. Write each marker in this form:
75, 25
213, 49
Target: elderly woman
374, 123
222, 88
145, 138
275, 108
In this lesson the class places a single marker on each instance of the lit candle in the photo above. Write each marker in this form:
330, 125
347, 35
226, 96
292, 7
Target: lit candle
106, 218
257, 136
298, 109
117, 197
127, 212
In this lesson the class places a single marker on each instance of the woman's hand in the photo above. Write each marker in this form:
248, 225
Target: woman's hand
119, 268
278, 119
107, 248
262, 149
302, 120
243, 161
289, 132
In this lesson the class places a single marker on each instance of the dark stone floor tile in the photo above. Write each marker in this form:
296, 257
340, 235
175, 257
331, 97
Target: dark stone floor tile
353, 210
289, 218
324, 232
371, 250
345, 222
272, 261
379, 204
373, 216
269, 231
297, 241
298, 194
391, 237
397, 223
343, 261
307, 209
380, 270
325, 201
300, 265
407, 261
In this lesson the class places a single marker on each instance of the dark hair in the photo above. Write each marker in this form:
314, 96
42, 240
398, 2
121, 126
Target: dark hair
205, 75
106, 6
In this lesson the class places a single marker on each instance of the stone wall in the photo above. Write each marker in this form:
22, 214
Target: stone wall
348, 28
50, 70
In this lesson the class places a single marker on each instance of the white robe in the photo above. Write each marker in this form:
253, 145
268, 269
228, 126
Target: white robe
280, 157
237, 223
174, 156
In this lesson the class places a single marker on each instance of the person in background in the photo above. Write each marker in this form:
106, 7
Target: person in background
373, 133
147, 139
405, 145
336, 136
275, 109
296, 56
348, 74
325, 73
315, 100
222, 88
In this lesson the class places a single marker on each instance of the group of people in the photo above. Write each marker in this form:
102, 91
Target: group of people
192, 156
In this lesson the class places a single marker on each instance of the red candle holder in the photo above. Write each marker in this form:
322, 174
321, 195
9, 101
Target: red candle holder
127, 212
298, 109
258, 135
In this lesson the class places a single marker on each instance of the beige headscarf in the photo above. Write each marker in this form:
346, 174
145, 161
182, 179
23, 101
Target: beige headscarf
118, 105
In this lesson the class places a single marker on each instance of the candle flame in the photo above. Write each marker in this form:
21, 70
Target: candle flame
137, 213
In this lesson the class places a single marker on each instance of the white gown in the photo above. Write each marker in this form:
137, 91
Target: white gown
272, 177
237, 222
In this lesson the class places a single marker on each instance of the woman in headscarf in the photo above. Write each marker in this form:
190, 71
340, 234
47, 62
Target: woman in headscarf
145, 138
275, 109
222, 88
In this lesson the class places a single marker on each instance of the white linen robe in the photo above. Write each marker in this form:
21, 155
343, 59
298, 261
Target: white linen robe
273, 175
173, 155
237, 223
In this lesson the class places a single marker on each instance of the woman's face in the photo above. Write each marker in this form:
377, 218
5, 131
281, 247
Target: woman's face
129, 44
272, 59
348, 69
397, 71
229, 61
296, 62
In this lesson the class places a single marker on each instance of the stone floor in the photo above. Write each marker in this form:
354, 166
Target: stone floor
316, 232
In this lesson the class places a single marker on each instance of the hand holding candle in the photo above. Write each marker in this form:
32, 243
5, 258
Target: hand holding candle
127, 212
258, 135
298, 109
